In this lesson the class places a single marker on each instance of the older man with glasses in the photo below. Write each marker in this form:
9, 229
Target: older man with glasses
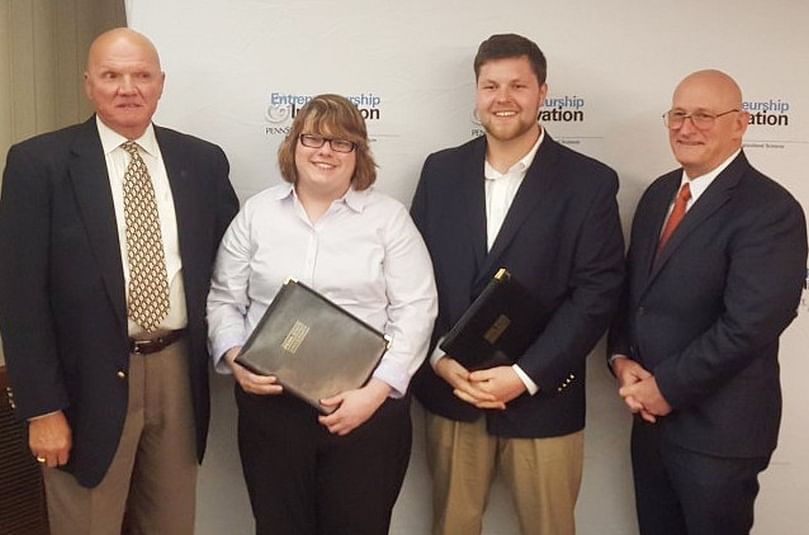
715, 271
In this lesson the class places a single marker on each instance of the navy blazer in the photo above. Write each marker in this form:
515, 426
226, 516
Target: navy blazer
706, 315
561, 239
62, 296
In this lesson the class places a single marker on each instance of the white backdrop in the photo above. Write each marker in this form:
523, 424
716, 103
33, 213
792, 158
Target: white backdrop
237, 69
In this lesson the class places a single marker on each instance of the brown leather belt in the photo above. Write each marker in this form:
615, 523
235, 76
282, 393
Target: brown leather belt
153, 345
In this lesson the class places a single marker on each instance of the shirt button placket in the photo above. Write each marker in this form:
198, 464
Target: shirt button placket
311, 257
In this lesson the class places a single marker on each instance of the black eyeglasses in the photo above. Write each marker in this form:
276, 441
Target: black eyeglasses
702, 120
313, 141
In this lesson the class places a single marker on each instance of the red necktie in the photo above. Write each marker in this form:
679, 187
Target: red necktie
676, 217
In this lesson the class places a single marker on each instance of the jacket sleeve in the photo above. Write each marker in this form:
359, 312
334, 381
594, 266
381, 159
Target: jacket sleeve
26, 319
594, 287
761, 294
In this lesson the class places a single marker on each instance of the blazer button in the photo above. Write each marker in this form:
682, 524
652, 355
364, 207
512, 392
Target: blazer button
121, 375
641, 311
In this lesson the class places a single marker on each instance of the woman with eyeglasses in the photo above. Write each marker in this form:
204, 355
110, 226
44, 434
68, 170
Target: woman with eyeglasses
327, 227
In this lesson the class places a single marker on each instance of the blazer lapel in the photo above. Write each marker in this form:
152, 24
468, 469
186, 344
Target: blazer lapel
474, 200
717, 194
660, 209
88, 172
532, 191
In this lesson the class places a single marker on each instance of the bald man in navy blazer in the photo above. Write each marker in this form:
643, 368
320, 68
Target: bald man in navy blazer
695, 347
118, 414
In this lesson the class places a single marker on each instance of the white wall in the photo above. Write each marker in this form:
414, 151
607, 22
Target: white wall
618, 59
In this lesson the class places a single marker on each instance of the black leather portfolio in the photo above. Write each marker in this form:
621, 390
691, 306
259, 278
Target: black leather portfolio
497, 327
315, 348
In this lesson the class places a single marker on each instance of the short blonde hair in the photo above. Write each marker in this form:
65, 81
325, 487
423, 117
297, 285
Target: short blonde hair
331, 116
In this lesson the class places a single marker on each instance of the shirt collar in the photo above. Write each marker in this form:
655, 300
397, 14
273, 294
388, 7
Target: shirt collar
519, 167
698, 185
283, 191
111, 140
356, 200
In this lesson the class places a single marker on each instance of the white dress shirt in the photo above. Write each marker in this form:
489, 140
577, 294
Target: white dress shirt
117, 160
365, 254
698, 185
500, 190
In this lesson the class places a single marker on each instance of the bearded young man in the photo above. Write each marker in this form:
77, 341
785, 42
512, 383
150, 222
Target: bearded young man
515, 198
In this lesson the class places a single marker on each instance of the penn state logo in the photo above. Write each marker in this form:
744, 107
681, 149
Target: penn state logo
277, 113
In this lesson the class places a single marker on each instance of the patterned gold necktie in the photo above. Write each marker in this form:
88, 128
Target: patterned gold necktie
148, 302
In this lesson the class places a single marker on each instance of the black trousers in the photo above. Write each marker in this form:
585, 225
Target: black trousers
683, 492
303, 480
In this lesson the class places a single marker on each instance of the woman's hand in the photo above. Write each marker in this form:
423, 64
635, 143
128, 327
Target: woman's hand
249, 381
355, 407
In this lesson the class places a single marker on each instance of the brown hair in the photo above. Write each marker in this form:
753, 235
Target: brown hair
511, 45
332, 116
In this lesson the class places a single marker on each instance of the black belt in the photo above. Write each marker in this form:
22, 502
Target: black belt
153, 345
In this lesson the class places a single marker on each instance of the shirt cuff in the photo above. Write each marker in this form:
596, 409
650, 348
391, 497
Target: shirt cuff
615, 357
40, 416
530, 385
222, 345
437, 353
395, 379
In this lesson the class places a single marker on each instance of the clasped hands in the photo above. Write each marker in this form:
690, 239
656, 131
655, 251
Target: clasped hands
491, 388
354, 407
639, 390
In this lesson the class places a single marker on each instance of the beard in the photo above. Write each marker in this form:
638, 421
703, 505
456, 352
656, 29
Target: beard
507, 130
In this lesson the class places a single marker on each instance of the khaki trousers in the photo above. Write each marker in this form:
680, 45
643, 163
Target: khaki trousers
543, 476
153, 475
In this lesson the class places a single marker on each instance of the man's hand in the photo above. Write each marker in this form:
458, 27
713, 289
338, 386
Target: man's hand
648, 395
249, 381
629, 372
457, 376
355, 407
502, 382
50, 439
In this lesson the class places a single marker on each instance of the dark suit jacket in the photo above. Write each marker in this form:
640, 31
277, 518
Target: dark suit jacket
62, 298
561, 239
705, 317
